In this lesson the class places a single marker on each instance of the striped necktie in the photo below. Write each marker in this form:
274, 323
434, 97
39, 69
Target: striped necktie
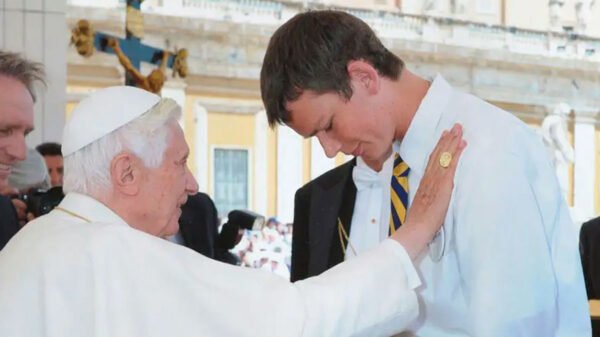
399, 193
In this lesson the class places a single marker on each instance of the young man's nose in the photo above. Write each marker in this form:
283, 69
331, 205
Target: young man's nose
329, 144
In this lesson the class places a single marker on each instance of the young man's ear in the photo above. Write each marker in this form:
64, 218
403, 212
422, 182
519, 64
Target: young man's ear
364, 74
125, 174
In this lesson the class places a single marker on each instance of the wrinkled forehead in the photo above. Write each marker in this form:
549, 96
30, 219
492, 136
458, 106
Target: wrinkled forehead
15, 94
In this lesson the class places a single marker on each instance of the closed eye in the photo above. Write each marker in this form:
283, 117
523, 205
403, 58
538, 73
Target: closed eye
184, 160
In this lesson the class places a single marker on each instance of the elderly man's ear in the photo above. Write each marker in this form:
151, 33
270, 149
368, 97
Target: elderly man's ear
126, 173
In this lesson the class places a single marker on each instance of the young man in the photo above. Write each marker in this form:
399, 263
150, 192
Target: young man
505, 262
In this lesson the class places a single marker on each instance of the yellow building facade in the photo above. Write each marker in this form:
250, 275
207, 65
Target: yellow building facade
226, 126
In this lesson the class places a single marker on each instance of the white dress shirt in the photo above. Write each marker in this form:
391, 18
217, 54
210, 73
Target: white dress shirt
506, 262
370, 218
85, 272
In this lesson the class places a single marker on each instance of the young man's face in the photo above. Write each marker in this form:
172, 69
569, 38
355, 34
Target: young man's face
16, 121
55, 169
360, 126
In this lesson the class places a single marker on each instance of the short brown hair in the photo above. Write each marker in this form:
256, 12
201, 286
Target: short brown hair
25, 71
312, 51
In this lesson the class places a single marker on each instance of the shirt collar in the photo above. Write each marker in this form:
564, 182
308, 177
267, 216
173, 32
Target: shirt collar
424, 131
89, 208
386, 170
366, 177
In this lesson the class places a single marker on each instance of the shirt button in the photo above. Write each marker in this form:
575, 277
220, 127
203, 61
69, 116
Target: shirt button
373, 221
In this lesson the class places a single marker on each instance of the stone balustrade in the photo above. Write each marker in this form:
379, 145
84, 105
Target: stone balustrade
391, 25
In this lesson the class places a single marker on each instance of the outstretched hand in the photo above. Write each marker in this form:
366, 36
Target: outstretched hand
430, 205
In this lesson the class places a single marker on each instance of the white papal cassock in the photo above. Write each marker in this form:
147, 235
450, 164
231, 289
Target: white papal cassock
62, 276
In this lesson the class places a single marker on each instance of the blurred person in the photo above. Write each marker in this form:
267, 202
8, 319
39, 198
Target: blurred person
589, 247
9, 221
30, 173
17, 97
199, 228
505, 263
98, 264
27, 178
54, 161
590, 251
271, 223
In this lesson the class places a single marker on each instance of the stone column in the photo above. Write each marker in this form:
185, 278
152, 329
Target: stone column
583, 15
261, 183
584, 169
176, 91
319, 163
201, 146
437, 7
289, 171
38, 30
173, 6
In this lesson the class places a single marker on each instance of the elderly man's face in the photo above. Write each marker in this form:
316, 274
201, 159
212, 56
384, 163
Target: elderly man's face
166, 187
16, 121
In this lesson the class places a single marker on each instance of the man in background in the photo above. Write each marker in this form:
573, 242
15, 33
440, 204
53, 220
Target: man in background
17, 97
199, 228
30, 174
54, 161
589, 247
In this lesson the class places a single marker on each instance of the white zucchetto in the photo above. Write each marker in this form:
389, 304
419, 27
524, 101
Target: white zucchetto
103, 112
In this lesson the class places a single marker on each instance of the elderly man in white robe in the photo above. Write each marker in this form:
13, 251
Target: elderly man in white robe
97, 265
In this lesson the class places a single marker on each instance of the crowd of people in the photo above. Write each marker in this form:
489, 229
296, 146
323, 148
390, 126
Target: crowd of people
268, 249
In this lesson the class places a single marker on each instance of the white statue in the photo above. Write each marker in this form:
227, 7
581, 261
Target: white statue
555, 14
583, 14
555, 135
436, 7
460, 6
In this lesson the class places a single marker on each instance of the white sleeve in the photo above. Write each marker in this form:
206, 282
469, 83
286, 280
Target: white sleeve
517, 252
369, 295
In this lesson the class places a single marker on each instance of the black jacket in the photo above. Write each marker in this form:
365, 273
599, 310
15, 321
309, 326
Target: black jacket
318, 205
9, 223
199, 228
589, 246
589, 243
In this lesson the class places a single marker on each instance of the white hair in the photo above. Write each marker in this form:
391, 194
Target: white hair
87, 170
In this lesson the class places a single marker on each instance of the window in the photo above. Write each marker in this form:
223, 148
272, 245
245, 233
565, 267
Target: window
230, 179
